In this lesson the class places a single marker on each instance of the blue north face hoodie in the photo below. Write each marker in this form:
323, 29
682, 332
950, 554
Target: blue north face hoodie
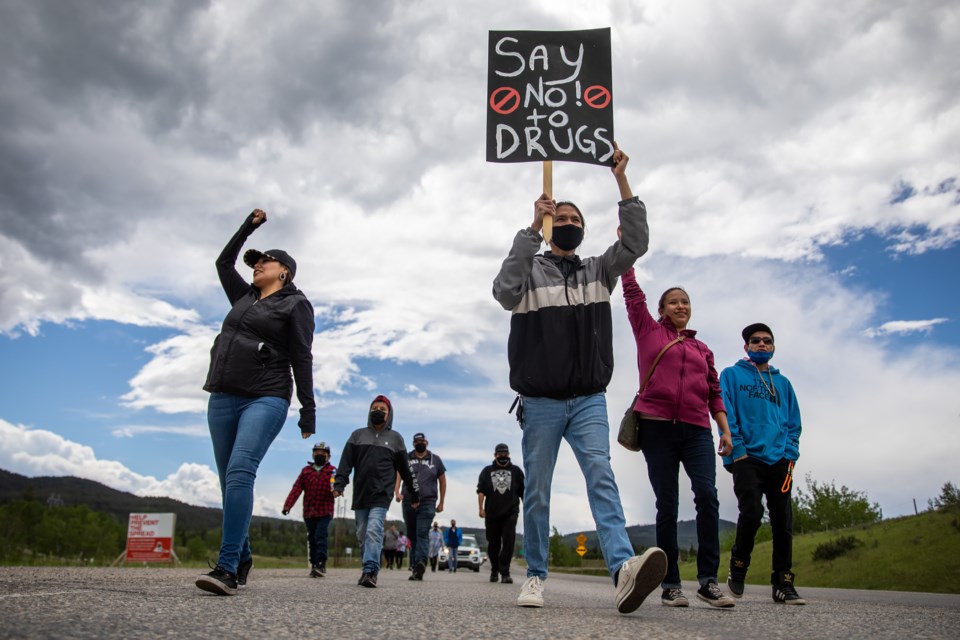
763, 426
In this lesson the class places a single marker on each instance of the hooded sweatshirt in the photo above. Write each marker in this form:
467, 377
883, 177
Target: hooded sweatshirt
684, 386
375, 457
763, 426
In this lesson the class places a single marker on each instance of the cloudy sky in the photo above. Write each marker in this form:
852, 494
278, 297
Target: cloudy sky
799, 163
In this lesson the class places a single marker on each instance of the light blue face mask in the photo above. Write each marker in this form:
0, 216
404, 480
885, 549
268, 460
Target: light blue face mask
760, 357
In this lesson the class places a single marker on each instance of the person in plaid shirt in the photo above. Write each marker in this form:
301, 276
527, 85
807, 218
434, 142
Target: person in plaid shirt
316, 483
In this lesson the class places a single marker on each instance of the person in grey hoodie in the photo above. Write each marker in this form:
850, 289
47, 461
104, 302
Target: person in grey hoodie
374, 454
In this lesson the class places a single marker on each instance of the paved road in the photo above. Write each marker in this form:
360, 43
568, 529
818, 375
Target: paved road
283, 603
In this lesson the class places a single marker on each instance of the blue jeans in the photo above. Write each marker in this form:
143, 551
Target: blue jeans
582, 422
242, 430
317, 529
418, 523
370, 536
667, 445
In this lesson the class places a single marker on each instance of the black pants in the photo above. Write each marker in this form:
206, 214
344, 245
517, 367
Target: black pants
752, 481
433, 563
317, 538
501, 539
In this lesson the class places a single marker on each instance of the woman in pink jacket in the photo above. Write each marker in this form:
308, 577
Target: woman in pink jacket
674, 410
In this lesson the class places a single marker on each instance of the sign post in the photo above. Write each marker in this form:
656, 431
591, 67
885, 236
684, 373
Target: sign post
550, 97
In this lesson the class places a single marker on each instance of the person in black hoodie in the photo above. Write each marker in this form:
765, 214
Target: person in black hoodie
499, 491
267, 333
375, 454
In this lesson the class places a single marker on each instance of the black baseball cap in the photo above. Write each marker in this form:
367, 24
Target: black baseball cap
502, 448
252, 256
419, 436
752, 329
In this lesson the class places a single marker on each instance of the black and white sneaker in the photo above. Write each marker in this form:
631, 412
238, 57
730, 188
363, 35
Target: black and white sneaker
243, 570
368, 580
783, 589
219, 581
322, 568
674, 598
315, 571
736, 577
711, 594
419, 570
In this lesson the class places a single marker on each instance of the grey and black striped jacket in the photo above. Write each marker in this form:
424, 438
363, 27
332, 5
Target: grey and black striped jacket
561, 336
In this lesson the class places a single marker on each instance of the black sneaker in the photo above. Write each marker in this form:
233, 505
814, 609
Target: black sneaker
506, 579
711, 594
783, 590
674, 598
494, 576
419, 570
219, 581
322, 568
736, 577
315, 571
243, 570
368, 580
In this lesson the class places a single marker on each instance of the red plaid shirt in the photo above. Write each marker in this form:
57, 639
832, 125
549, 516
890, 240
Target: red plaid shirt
317, 491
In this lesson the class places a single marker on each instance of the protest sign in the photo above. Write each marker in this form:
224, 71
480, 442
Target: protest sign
550, 96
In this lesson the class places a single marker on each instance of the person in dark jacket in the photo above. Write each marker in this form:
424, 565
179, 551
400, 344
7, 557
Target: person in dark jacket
267, 333
561, 359
432, 480
674, 410
316, 483
454, 538
374, 454
499, 491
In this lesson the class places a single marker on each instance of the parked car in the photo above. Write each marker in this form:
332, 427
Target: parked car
468, 554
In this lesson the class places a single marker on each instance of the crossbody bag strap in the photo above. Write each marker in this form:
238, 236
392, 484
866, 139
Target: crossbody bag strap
653, 366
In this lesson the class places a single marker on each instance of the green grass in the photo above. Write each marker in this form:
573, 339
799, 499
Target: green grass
914, 553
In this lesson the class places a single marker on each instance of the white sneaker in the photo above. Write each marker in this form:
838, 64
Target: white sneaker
639, 576
531, 593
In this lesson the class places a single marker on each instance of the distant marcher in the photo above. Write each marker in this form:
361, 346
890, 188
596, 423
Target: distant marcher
674, 409
316, 483
432, 480
391, 537
454, 538
374, 454
499, 491
764, 422
560, 352
402, 544
267, 333
436, 543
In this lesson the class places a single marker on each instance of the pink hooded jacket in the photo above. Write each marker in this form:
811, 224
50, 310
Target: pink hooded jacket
684, 387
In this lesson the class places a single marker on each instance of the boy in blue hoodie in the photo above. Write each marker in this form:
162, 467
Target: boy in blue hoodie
764, 423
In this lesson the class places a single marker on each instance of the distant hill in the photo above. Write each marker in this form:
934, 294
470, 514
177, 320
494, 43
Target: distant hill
645, 535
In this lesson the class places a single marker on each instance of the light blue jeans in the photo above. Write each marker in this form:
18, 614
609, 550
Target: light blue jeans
582, 422
370, 536
242, 429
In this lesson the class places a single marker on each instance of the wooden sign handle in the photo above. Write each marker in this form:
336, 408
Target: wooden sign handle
547, 230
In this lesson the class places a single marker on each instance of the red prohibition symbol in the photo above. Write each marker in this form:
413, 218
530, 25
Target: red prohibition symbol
596, 96
505, 100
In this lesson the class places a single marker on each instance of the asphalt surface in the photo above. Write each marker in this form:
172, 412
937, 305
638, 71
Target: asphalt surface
51, 602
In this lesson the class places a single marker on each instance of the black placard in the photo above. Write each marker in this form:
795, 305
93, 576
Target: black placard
550, 96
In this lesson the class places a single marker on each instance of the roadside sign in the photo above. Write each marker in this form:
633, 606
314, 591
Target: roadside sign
582, 550
150, 537
581, 539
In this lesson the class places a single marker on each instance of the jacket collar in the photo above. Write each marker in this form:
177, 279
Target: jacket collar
667, 323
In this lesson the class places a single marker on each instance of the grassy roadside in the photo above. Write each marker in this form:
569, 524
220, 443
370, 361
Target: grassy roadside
914, 553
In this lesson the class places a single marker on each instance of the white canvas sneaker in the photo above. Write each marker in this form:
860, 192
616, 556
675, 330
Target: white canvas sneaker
531, 593
639, 576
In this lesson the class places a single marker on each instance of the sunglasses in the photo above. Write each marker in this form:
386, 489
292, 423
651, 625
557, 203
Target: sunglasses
766, 341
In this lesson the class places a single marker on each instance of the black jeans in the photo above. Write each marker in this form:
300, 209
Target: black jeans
667, 445
752, 481
501, 540
317, 538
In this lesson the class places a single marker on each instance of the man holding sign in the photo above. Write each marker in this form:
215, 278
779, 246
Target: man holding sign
561, 360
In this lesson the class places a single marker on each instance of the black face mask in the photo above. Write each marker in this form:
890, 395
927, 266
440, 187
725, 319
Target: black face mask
378, 417
420, 447
320, 460
503, 460
567, 237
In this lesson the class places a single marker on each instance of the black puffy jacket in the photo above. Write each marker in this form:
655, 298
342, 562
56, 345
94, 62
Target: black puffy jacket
261, 340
